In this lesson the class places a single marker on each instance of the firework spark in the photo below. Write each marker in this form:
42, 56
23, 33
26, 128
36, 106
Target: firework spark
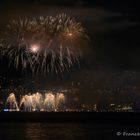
45, 44
36, 102
34, 48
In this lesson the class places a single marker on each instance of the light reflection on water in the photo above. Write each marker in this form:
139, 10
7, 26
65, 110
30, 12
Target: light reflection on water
60, 131
41, 131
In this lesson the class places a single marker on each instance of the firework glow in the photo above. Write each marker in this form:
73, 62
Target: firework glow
36, 102
45, 45
34, 48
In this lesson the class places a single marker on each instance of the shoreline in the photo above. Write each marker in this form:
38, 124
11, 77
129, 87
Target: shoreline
84, 117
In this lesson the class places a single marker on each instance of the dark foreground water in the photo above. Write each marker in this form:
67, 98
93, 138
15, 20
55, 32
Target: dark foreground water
64, 131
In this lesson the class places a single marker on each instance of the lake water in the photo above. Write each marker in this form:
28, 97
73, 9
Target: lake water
61, 131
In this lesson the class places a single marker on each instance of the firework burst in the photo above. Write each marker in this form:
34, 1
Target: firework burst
45, 44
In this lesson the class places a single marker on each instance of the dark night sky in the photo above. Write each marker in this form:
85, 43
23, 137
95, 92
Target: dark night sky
113, 27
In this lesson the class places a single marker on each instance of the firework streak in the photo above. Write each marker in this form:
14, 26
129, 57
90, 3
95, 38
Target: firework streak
44, 45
